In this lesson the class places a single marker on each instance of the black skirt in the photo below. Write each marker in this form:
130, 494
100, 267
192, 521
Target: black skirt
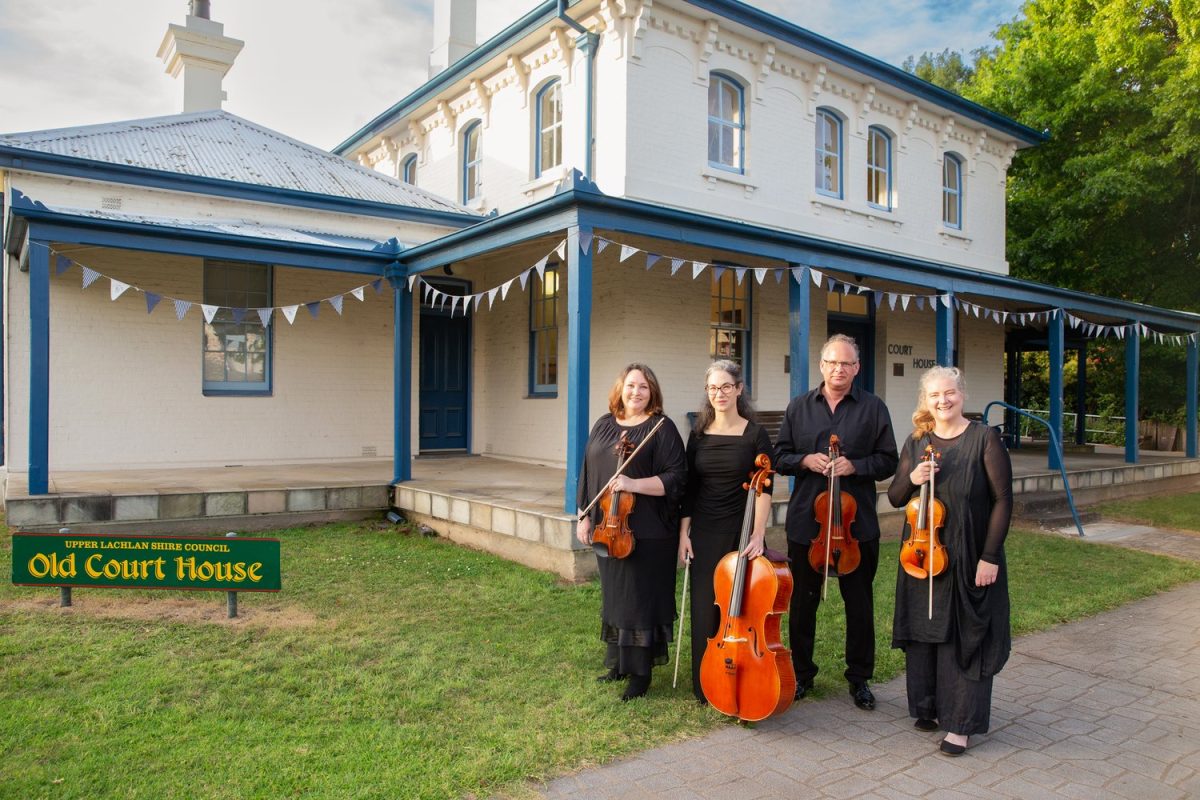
638, 606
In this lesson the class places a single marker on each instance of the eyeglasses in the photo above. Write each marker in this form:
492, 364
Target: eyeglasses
846, 365
724, 388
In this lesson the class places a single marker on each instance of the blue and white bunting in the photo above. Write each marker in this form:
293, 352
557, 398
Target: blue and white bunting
336, 302
90, 276
116, 288
181, 308
151, 301
209, 312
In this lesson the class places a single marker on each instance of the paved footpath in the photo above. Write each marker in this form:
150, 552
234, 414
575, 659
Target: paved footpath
1106, 707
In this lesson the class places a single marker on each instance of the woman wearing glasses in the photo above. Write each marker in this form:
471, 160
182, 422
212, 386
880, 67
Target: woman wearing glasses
721, 450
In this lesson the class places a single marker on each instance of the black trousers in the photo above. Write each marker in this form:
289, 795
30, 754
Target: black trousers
939, 689
707, 552
858, 595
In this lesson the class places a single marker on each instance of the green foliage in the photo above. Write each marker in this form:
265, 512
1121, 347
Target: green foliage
945, 69
1108, 204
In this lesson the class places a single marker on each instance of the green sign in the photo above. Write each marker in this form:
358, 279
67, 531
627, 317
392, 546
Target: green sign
145, 562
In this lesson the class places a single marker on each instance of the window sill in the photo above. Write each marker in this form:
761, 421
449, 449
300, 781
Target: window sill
542, 396
476, 203
712, 175
234, 393
822, 203
548, 178
953, 236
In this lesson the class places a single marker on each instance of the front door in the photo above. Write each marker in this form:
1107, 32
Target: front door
445, 368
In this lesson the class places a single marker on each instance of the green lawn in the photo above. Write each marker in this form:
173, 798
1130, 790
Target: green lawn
1180, 511
391, 665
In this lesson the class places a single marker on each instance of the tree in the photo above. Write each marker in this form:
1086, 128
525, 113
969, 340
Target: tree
1109, 203
945, 69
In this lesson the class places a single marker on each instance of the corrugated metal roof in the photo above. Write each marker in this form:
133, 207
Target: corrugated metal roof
236, 227
222, 146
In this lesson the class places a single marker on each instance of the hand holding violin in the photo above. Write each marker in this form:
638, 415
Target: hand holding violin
820, 462
922, 472
583, 531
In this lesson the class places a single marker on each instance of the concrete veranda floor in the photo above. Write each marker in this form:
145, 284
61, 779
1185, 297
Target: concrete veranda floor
1105, 707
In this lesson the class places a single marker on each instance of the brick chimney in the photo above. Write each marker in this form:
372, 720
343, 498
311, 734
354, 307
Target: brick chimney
453, 33
200, 50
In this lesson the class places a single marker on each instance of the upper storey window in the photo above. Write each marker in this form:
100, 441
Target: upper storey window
726, 123
472, 162
548, 152
952, 191
879, 168
408, 170
829, 153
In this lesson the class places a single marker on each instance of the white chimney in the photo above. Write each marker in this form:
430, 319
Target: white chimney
203, 53
453, 33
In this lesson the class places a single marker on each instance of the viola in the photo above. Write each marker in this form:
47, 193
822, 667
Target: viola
922, 555
834, 550
746, 672
613, 536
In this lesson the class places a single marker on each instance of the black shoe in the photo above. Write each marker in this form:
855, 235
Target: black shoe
802, 689
637, 687
927, 725
702, 701
610, 676
951, 749
863, 698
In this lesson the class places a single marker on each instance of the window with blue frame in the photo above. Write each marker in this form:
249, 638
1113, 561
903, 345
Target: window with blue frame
729, 324
952, 191
829, 153
543, 333
236, 345
726, 123
548, 150
408, 170
879, 168
472, 162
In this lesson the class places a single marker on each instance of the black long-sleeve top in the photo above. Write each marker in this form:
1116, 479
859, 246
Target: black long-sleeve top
864, 430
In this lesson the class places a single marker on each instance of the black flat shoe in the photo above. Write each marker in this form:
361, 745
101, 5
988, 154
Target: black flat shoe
927, 725
802, 689
610, 676
637, 687
863, 698
951, 749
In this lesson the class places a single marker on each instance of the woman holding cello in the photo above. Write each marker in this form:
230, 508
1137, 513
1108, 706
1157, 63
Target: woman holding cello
721, 452
955, 645
636, 440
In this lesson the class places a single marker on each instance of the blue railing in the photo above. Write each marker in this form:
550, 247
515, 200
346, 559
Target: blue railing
1054, 443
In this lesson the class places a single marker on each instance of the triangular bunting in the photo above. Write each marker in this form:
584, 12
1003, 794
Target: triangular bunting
289, 312
760, 273
697, 268
877, 298
336, 302
524, 278
61, 264
504, 287
491, 295
945, 298
739, 273
798, 274
920, 302
264, 316
90, 276
816, 276
478, 300
717, 272
585, 241
904, 298
561, 250
676, 263
627, 252
540, 266
377, 285
601, 243
454, 304
891, 301
151, 301
652, 259
358, 293
778, 275
209, 312
239, 314
181, 308
313, 308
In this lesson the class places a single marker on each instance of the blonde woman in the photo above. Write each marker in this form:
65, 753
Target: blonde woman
952, 658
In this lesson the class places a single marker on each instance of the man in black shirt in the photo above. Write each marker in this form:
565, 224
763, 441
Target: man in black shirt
868, 454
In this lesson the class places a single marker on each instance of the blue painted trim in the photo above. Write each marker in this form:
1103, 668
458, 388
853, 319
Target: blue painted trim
1133, 366
1193, 388
799, 309
950, 158
735, 87
39, 367
1056, 386
53, 164
839, 125
579, 360
402, 336
468, 194
539, 125
782, 30
944, 335
408, 169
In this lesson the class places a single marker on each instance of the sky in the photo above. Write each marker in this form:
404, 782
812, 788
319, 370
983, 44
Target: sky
320, 73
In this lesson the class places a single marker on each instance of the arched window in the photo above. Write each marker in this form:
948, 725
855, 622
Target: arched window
408, 169
726, 123
548, 149
879, 168
829, 153
472, 162
952, 191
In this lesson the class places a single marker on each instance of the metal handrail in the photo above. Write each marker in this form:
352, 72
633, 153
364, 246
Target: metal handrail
1053, 443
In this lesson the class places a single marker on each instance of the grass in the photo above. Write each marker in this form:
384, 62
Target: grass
391, 665
1181, 511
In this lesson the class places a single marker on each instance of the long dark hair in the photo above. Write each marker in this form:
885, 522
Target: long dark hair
745, 408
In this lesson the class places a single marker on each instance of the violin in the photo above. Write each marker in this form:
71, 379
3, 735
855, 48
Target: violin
613, 536
922, 555
834, 549
746, 672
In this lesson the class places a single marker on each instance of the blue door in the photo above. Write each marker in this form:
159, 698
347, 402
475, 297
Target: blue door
445, 365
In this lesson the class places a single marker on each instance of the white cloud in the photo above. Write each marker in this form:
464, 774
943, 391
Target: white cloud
322, 72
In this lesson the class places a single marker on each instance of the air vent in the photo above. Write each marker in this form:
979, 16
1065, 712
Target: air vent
110, 203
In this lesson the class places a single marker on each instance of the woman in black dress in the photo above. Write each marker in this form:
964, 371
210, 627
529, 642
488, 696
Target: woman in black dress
721, 450
638, 591
952, 658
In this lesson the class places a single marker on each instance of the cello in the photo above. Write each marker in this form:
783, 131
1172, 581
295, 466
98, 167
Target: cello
922, 555
834, 548
746, 672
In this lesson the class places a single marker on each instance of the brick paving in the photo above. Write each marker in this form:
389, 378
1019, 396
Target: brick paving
1105, 707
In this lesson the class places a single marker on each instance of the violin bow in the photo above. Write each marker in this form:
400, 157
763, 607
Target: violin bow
929, 527
687, 569
621, 468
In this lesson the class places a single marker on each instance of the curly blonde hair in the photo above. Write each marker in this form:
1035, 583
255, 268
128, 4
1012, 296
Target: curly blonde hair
922, 419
